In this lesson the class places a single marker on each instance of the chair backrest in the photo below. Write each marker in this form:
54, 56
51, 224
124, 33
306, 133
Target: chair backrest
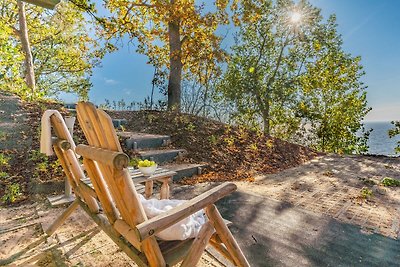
70, 163
100, 133
114, 185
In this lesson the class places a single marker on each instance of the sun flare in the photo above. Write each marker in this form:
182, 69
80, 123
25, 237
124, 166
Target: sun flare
295, 17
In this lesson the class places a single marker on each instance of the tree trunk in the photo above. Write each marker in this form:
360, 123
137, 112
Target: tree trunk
265, 117
23, 33
175, 72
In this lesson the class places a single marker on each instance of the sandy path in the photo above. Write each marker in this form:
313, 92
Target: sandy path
329, 185
78, 242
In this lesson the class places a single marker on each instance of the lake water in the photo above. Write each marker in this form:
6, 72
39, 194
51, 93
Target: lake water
379, 142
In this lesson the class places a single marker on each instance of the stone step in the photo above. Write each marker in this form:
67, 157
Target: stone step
142, 140
184, 169
13, 126
119, 122
162, 155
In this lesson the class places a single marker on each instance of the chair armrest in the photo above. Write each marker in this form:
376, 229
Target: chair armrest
160, 222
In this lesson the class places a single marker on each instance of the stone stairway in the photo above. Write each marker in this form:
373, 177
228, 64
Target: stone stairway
154, 147
13, 127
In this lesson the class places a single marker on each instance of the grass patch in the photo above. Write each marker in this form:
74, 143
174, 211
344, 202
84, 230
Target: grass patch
12, 193
366, 193
387, 181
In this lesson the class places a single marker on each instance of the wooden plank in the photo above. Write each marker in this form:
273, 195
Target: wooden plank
118, 160
101, 189
226, 236
106, 171
168, 218
78, 174
61, 219
70, 163
65, 166
198, 245
160, 172
111, 135
148, 189
99, 131
88, 190
221, 249
103, 223
175, 251
164, 194
128, 233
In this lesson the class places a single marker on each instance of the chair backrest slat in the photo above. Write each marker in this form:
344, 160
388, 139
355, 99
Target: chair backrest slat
99, 130
71, 165
110, 134
101, 190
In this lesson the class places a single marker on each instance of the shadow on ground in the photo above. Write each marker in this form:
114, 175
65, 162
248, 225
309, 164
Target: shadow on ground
274, 233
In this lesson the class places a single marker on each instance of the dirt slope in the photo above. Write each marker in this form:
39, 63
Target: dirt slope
233, 153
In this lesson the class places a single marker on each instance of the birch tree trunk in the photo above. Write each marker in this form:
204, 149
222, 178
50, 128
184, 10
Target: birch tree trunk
23, 34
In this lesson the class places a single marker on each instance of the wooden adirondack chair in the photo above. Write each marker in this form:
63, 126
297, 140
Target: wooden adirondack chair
123, 218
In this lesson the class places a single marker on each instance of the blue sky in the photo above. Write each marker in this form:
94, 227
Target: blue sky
370, 29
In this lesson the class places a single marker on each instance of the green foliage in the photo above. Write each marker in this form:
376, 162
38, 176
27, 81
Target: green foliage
3, 175
36, 156
42, 166
387, 181
64, 53
268, 58
270, 144
133, 162
366, 193
253, 147
190, 127
4, 160
294, 78
394, 132
333, 98
150, 25
230, 140
41, 162
213, 139
11, 194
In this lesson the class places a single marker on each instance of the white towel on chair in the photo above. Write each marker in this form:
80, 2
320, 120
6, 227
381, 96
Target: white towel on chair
184, 229
45, 135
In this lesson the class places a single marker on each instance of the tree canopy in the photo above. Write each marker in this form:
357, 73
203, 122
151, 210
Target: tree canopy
178, 35
288, 72
63, 50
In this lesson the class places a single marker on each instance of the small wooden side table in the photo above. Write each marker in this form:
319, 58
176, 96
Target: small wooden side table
162, 175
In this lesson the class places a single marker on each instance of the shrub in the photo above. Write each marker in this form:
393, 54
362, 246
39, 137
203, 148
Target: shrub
387, 181
3, 175
11, 193
366, 193
4, 160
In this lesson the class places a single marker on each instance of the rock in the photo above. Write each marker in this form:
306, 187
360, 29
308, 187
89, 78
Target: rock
376, 189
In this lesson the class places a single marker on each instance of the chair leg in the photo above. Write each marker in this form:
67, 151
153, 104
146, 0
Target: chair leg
61, 219
219, 246
198, 246
226, 236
